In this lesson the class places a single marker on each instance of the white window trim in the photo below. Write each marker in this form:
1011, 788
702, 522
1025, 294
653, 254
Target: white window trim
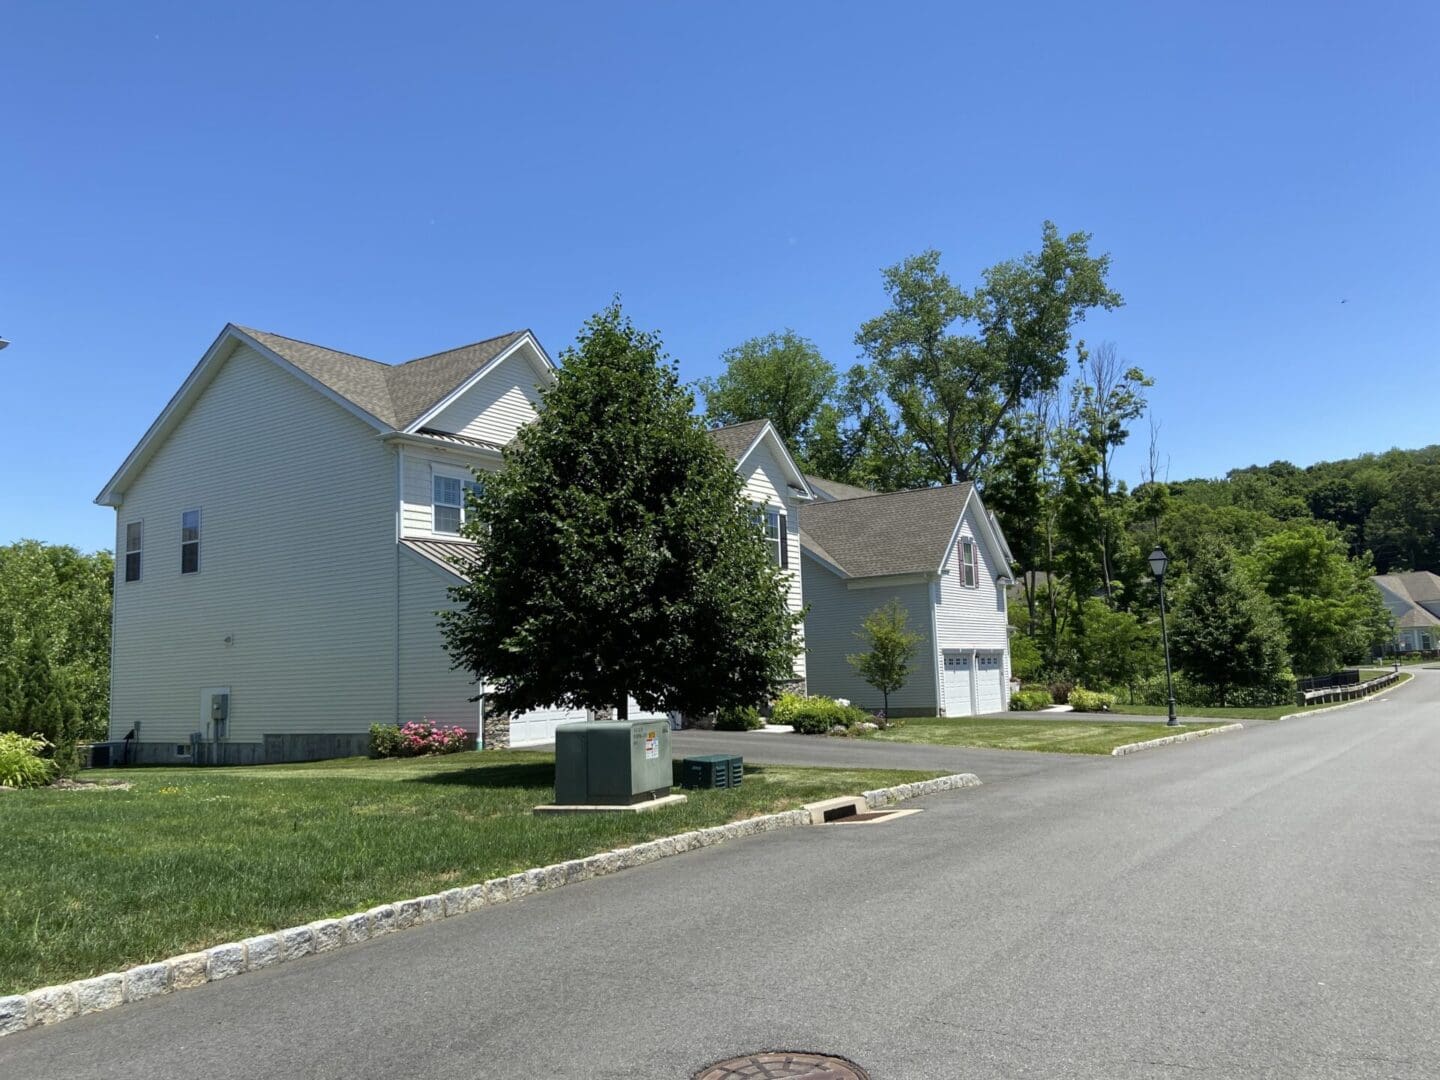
467, 481
125, 578
972, 565
199, 534
763, 514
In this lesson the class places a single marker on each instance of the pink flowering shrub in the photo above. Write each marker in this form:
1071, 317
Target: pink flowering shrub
418, 738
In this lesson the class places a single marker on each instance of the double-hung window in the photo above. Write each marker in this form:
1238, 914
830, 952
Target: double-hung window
190, 542
772, 523
967, 562
134, 541
449, 502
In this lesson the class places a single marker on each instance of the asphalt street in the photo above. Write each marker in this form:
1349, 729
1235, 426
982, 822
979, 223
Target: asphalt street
1264, 904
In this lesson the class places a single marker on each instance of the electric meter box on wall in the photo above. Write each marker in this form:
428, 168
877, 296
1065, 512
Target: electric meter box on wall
612, 762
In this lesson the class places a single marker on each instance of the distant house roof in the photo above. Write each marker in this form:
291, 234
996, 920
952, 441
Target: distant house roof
831, 490
1413, 597
904, 532
396, 394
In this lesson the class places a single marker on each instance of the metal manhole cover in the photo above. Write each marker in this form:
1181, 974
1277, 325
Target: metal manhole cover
783, 1063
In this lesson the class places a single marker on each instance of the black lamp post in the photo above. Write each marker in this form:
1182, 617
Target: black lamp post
1158, 563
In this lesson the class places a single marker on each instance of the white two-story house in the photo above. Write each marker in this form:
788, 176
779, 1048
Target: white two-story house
941, 556
284, 533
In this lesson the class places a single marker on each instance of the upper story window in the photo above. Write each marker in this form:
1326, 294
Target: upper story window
449, 502
773, 524
134, 540
967, 562
190, 542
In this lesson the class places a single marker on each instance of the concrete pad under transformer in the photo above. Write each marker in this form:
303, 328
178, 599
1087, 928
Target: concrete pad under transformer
625, 808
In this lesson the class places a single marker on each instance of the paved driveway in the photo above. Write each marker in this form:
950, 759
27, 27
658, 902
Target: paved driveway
1260, 905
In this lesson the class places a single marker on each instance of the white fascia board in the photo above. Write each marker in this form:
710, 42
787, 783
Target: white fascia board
405, 438
542, 364
193, 386
987, 534
805, 494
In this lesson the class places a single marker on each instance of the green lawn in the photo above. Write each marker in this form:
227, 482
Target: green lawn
1273, 712
94, 881
1068, 736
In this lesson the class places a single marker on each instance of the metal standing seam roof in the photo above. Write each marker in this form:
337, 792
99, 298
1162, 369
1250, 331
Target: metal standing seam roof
443, 553
833, 489
903, 532
395, 394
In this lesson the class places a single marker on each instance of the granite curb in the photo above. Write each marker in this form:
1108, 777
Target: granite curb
53, 1004
1186, 736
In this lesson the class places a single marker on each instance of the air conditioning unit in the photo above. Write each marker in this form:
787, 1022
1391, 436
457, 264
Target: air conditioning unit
712, 771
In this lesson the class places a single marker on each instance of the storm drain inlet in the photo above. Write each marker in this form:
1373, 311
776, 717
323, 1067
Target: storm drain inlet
774, 1064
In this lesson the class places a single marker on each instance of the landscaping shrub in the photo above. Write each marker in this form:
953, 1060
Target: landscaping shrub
21, 763
815, 715
1280, 691
418, 738
1082, 700
1060, 692
739, 719
1030, 699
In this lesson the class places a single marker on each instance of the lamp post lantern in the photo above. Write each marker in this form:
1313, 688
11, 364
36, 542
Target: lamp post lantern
1159, 562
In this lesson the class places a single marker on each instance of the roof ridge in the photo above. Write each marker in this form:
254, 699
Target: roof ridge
251, 330
902, 491
457, 348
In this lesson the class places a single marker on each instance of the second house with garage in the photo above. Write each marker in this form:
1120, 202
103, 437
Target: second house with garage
937, 553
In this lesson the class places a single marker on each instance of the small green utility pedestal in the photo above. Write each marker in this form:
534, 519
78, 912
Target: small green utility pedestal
612, 766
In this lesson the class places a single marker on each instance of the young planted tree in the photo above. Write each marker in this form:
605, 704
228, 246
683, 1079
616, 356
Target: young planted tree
892, 650
616, 555
1226, 634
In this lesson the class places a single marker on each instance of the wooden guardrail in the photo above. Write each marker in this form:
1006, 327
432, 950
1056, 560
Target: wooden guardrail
1346, 693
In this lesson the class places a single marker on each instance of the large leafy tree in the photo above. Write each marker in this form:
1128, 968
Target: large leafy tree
616, 556
1226, 634
1404, 528
780, 377
54, 640
1332, 611
952, 391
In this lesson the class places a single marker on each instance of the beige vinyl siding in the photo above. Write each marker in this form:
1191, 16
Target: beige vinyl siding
765, 483
836, 612
504, 400
429, 686
417, 508
293, 569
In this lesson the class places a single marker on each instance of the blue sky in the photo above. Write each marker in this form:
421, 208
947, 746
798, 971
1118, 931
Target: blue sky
393, 180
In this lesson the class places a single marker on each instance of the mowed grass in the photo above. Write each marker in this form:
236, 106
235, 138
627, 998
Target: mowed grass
1273, 712
94, 881
1068, 736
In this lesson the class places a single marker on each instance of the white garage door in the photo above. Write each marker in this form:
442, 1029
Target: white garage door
989, 683
955, 684
538, 725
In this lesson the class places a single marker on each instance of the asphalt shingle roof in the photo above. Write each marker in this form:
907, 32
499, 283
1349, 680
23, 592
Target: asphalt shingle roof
735, 439
1420, 589
905, 532
395, 394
